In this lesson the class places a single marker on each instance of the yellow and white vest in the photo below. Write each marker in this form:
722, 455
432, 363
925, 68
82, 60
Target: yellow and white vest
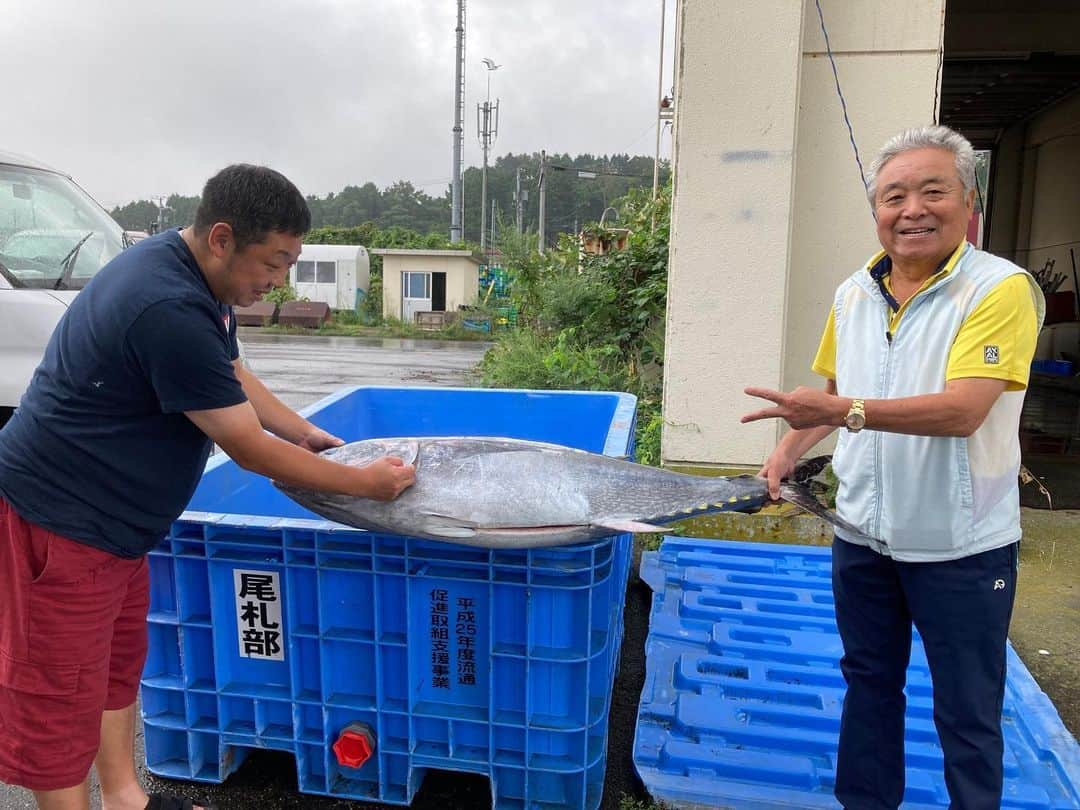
929, 498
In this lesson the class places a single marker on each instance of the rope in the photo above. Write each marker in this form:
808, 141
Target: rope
843, 103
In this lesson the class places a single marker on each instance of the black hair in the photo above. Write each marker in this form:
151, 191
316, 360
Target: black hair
253, 200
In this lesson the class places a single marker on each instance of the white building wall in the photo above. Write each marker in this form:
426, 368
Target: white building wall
737, 93
462, 279
1052, 150
769, 212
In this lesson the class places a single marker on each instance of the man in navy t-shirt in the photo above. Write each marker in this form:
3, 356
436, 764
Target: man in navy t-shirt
139, 379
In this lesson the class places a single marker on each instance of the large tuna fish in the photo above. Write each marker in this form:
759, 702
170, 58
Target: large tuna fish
511, 493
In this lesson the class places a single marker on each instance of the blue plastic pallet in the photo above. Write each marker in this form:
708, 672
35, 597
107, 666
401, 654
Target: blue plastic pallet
272, 628
743, 691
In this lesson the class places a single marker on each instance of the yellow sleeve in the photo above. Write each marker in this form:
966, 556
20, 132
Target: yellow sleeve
825, 361
997, 340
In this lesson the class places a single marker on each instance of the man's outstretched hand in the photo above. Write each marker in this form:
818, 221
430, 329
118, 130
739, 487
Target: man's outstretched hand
802, 408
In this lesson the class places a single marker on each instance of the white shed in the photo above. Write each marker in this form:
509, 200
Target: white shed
427, 281
337, 275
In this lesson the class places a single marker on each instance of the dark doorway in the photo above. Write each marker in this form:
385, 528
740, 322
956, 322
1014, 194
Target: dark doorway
438, 292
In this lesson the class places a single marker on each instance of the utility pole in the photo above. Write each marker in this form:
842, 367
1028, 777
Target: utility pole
542, 185
519, 201
163, 218
491, 241
487, 128
459, 128
659, 102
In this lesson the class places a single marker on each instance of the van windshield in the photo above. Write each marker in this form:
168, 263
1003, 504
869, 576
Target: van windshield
52, 234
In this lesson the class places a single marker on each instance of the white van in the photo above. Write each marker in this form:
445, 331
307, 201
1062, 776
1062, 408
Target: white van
53, 239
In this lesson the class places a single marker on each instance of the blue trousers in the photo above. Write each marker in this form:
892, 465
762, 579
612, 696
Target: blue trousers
962, 610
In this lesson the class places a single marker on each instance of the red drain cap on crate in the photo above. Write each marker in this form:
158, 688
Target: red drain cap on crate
354, 745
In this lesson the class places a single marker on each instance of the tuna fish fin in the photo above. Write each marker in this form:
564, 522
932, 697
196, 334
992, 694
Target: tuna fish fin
453, 532
634, 526
439, 525
412, 453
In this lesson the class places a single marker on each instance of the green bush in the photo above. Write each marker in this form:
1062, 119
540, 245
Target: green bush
371, 306
593, 322
279, 295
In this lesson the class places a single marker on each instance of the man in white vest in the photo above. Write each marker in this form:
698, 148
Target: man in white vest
925, 355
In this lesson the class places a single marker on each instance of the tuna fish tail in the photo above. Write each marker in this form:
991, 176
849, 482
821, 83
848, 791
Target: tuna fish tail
802, 497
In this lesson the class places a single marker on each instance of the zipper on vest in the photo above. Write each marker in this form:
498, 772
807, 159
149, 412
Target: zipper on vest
878, 465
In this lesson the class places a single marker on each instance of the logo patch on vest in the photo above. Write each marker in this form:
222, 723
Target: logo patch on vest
991, 355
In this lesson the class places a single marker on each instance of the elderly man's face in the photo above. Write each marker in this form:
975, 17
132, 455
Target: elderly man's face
922, 210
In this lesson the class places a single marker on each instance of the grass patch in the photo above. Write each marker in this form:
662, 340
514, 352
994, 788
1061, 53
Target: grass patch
336, 328
630, 803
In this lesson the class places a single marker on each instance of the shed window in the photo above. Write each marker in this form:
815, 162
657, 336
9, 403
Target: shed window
417, 285
326, 272
305, 272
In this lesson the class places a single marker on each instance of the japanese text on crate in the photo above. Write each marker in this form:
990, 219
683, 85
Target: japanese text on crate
258, 614
464, 634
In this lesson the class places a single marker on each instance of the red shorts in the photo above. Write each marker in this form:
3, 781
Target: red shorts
72, 644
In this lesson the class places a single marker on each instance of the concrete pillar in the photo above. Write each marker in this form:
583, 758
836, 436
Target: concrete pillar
769, 210
737, 93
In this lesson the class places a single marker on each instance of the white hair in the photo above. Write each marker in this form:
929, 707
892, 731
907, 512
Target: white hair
935, 137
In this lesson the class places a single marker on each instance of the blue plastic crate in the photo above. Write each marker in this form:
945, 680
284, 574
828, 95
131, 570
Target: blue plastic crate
273, 628
1061, 368
743, 691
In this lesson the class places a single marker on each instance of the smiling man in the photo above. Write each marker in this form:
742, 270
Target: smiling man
925, 356
140, 377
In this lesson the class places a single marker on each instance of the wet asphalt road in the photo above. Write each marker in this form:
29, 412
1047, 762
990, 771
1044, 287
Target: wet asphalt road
301, 370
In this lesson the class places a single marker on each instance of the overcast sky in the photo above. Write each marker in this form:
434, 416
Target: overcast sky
137, 98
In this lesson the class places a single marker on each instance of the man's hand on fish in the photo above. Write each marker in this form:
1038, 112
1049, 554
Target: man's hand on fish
385, 478
318, 440
802, 408
777, 466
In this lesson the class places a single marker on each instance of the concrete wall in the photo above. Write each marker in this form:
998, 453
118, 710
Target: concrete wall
1035, 206
462, 279
1052, 159
737, 91
1007, 181
769, 212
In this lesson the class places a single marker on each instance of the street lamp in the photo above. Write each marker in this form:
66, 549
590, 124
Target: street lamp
492, 67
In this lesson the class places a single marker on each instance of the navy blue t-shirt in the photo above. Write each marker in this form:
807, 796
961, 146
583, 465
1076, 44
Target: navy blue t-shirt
100, 450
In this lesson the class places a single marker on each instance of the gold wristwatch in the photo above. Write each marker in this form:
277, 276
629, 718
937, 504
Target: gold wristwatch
856, 416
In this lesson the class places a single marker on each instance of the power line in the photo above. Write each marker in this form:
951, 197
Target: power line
590, 173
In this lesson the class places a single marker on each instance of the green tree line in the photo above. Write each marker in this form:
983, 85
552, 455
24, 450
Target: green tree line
579, 189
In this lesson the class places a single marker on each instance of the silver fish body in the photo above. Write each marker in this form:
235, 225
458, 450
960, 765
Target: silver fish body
512, 493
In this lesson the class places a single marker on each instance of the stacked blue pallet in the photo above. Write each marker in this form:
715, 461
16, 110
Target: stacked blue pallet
373, 657
743, 691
